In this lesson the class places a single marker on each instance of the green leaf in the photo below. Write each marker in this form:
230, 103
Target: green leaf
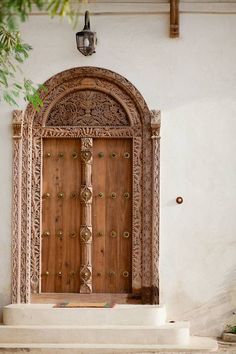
17, 86
9, 99
3, 78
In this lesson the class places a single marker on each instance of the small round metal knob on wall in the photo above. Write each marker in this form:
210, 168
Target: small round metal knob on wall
179, 200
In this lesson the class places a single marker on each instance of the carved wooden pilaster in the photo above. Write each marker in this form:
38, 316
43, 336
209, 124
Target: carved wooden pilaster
86, 194
155, 127
137, 216
26, 209
174, 18
17, 123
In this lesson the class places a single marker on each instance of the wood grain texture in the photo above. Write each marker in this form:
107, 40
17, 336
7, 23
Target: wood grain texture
61, 253
112, 216
52, 298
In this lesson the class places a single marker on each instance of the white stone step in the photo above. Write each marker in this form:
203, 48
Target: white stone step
170, 333
46, 314
196, 344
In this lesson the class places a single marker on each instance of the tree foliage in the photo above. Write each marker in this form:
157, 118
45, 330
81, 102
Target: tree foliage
14, 51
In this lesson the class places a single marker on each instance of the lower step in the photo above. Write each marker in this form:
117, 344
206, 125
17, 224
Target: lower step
196, 344
171, 334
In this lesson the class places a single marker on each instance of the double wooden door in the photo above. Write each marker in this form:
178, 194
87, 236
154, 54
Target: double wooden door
62, 216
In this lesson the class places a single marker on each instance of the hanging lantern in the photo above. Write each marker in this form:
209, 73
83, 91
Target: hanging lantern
86, 40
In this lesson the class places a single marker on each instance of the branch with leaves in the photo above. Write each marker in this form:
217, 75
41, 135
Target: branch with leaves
13, 50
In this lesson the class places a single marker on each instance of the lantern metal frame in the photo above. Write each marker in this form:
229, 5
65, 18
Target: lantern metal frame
86, 34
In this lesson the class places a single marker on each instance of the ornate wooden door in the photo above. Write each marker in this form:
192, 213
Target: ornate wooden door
112, 215
85, 104
64, 249
61, 216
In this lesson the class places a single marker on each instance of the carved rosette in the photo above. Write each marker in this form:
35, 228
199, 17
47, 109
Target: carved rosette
86, 195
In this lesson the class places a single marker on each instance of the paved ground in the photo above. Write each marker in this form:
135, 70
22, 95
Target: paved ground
224, 348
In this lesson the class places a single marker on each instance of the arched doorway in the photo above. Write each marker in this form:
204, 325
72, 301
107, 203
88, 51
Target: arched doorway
95, 134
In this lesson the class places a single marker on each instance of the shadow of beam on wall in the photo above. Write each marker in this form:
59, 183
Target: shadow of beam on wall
211, 317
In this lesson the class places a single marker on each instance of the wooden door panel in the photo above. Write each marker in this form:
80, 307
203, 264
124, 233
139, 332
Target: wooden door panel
99, 215
61, 215
112, 215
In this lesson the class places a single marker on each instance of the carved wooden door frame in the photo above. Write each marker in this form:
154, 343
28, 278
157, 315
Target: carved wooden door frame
116, 109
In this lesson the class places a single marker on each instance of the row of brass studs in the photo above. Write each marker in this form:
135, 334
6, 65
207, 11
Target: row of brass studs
113, 155
61, 195
73, 234
73, 273
61, 155
59, 234
73, 195
59, 274
75, 155
112, 274
113, 195
113, 234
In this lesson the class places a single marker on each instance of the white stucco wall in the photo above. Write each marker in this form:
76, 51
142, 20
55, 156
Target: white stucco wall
193, 81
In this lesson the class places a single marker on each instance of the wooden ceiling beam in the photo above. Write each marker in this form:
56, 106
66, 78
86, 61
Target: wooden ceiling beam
174, 18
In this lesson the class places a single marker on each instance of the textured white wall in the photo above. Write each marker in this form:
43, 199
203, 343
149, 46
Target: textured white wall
193, 81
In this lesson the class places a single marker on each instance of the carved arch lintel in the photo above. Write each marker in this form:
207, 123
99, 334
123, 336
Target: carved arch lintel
141, 127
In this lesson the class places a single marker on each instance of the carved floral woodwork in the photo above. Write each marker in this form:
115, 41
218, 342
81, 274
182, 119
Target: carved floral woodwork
86, 108
86, 102
86, 223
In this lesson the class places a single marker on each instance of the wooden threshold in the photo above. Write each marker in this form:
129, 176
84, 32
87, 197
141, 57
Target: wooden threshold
52, 298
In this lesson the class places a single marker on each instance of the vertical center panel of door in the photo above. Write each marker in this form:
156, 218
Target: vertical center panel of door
112, 215
61, 216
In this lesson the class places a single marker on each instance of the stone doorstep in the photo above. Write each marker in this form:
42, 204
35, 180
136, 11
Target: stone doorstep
78, 331
169, 334
41, 314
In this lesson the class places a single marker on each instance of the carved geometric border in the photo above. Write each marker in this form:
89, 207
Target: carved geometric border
27, 159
